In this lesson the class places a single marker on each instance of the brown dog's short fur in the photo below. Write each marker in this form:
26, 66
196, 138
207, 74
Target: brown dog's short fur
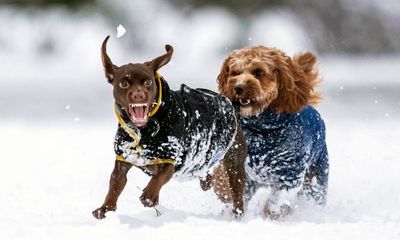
220, 180
135, 84
259, 77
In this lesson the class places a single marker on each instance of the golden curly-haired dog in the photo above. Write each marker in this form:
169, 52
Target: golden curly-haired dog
273, 94
255, 78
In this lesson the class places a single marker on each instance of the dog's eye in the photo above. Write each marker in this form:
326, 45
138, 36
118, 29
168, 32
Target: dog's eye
234, 73
148, 83
258, 73
123, 84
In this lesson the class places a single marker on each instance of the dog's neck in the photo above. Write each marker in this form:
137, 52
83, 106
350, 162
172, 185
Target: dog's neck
158, 98
162, 101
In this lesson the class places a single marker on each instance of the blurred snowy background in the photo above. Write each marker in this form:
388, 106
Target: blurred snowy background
57, 122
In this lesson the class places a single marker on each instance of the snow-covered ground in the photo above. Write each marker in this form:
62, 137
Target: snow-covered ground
57, 129
52, 177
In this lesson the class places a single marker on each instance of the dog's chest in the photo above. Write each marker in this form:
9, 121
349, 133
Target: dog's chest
157, 143
280, 147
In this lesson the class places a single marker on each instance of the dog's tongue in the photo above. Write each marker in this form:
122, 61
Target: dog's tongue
139, 112
138, 115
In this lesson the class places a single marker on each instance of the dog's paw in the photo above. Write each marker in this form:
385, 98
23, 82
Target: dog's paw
100, 212
229, 212
274, 212
149, 197
206, 183
238, 212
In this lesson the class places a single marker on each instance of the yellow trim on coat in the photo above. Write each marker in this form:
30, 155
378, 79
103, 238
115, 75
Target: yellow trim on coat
127, 129
158, 104
152, 162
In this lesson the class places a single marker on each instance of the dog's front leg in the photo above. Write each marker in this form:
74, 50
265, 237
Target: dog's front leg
234, 166
151, 193
117, 183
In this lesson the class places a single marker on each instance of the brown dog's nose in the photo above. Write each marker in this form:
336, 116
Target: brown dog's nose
239, 89
138, 96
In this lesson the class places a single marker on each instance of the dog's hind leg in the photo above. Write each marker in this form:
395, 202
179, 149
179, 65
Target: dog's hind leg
316, 180
117, 183
250, 189
233, 168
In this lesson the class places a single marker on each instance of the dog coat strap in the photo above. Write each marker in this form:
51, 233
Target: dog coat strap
158, 104
127, 129
151, 162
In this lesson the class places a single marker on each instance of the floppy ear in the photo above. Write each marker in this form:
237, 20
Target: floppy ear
109, 67
306, 61
160, 61
222, 78
294, 89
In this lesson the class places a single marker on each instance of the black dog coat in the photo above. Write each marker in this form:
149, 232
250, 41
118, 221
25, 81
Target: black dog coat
192, 129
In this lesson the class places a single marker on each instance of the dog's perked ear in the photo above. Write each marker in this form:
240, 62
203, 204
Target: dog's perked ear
109, 67
160, 61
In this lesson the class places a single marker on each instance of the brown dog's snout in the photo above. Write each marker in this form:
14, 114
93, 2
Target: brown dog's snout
239, 89
138, 95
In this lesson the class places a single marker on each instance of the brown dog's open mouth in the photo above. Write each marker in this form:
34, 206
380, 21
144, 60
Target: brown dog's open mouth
139, 113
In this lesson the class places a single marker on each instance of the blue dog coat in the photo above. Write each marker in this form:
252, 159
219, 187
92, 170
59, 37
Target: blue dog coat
283, 148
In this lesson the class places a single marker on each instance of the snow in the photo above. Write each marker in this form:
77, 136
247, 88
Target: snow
57, 130
54, 176
120, 31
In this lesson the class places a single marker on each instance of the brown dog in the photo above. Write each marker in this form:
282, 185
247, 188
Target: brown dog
273, 94
165, 133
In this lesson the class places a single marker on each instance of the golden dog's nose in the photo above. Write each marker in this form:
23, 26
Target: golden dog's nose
239, 89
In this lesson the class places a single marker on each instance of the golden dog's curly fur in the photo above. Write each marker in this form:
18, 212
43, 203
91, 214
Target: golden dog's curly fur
256, 78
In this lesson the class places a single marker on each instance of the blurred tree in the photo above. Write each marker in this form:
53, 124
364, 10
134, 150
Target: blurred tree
46, 3
336, 27
239, 7
333, 25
